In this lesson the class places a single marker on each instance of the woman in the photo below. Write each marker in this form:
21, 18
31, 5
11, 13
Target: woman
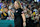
19, 15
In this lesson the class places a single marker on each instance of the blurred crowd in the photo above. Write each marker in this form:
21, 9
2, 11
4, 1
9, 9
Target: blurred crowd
31, 10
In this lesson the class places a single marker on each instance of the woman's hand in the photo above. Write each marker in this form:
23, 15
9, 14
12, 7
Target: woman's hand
24, 24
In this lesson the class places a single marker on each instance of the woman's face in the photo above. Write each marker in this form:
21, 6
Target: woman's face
16, 5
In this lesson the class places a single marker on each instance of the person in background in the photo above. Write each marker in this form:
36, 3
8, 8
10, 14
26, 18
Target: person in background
29, 7
5, 14
10, 13
35, 10
0, 9
39, 15
0, 13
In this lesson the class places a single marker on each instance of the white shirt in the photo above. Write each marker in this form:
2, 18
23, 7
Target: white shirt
35, 10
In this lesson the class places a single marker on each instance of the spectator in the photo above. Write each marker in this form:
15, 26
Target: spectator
5, 14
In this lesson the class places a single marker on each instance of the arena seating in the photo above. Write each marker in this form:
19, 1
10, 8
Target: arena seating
6, 23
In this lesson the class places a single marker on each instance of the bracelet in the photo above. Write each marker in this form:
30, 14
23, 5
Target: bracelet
24, 21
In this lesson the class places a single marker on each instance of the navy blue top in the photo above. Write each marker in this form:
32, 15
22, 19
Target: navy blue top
18, 13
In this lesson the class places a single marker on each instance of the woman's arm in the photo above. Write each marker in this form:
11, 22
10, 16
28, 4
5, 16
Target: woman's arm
23, 16
24, 20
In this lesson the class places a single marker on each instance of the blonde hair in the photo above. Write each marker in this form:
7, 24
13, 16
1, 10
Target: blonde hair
18, 4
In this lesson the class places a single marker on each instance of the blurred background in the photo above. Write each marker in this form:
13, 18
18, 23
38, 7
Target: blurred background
31, 10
